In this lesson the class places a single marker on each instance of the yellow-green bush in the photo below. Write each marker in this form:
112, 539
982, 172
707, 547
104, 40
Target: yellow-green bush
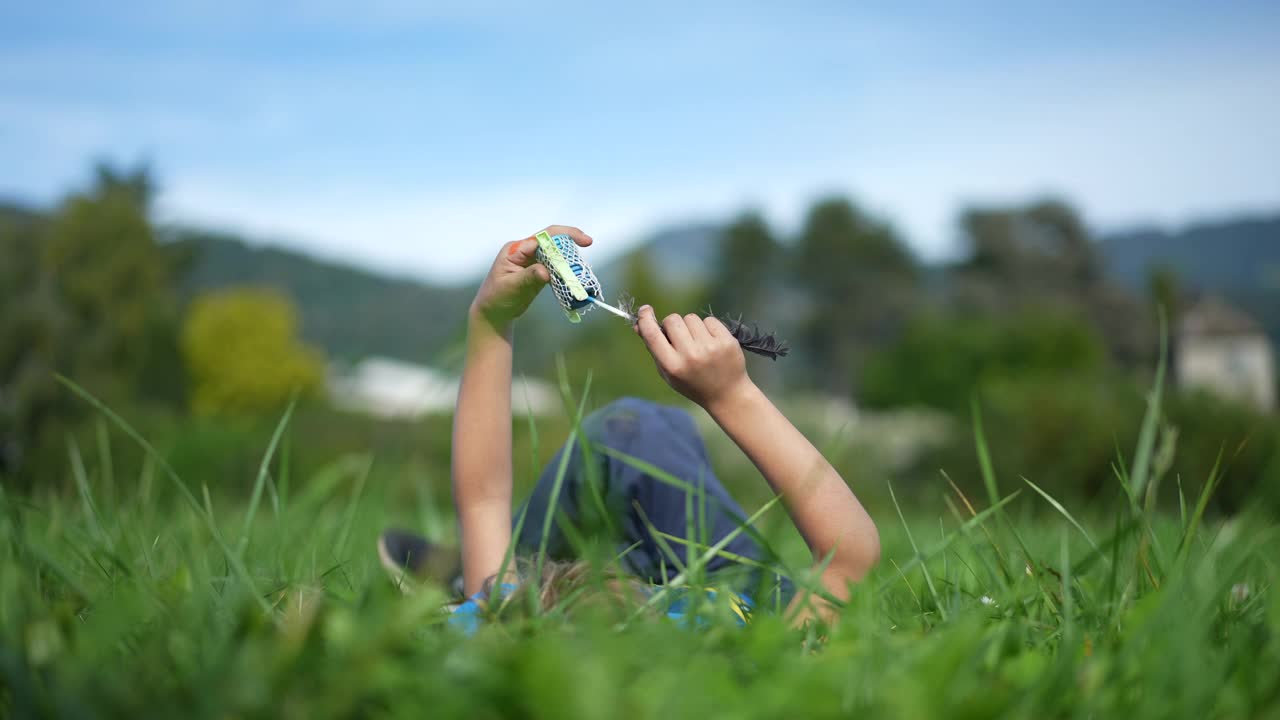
243, 353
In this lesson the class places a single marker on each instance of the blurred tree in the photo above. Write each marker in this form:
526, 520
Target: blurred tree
111, 278
943, 360
640, 278
27, 393
745, 271
1059, 431
84, 291
1062, 432
1044, 242
1246, 441
861, 283
1042, 254
244, 355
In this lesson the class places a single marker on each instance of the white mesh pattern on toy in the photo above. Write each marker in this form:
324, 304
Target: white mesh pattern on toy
569, 251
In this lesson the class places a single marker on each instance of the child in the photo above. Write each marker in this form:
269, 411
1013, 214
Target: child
701, 360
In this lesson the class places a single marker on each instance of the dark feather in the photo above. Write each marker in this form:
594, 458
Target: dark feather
754, 341
749, 337
627, 304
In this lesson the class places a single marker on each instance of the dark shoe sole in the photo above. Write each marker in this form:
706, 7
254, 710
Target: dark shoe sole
411, 559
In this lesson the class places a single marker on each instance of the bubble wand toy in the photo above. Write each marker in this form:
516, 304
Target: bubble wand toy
577, 289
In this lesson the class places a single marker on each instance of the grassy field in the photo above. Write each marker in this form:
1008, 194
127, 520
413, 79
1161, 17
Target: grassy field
145, 598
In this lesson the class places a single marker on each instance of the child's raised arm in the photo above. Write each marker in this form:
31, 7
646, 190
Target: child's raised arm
482, 422
701, 360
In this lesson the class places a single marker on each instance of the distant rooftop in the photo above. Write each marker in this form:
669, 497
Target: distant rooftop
1211, 316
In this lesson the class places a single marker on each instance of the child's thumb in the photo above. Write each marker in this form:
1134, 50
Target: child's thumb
536, 275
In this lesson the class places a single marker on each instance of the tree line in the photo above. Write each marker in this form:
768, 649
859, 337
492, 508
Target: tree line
1024, 324
88, 291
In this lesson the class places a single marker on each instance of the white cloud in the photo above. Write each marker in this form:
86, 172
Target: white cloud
448, 234
425, 162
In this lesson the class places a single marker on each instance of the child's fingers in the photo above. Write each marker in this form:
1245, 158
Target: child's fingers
578, 236
521, 252
678, 333
697, 329
717, 328
524, 252
659, 347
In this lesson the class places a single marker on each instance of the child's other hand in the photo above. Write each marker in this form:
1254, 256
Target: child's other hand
515, 278
698, 357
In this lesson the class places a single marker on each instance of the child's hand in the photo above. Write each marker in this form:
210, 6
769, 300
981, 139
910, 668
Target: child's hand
698, 357
515, 278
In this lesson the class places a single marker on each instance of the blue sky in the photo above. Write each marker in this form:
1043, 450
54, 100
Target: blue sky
418, 136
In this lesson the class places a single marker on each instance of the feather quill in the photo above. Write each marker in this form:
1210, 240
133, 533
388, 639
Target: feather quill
749, 336
753, 340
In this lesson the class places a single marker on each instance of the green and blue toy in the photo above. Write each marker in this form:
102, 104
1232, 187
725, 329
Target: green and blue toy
577, 289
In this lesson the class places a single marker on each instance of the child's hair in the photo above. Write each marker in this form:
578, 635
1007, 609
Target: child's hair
563, 586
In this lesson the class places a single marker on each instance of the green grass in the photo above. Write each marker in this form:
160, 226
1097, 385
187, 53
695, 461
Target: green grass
149, 598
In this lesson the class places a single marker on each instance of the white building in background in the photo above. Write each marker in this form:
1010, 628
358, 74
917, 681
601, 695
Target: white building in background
1222, 350
389, 388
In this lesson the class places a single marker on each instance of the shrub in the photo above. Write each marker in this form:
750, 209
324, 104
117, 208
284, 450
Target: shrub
1060, 432
244, 354
942, 358
1248, 441
1065, 433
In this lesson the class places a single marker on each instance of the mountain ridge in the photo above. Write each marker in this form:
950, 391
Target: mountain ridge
1237, 259
351, 311
1243, 267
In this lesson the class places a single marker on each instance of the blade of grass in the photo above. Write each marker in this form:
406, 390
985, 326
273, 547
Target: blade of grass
286, 469
995, 576
809, 587
1006, 576
146, 480
47, 559
591, 478
1068, 601
1150, 421
905, 581
508, 559
740, 559
183, 490
972, 523
984, 456
357, 490
661, 539
529, 420
1120, 469
667, 478
1184, 545
274, 494
1124, 527
989, 479
106, 465
558, 483
680, 579
703, 530
1113, 578
690, 531
1063, 511
86, 495
617, 559
324, 483
924, 566
1182, 505
263, 469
